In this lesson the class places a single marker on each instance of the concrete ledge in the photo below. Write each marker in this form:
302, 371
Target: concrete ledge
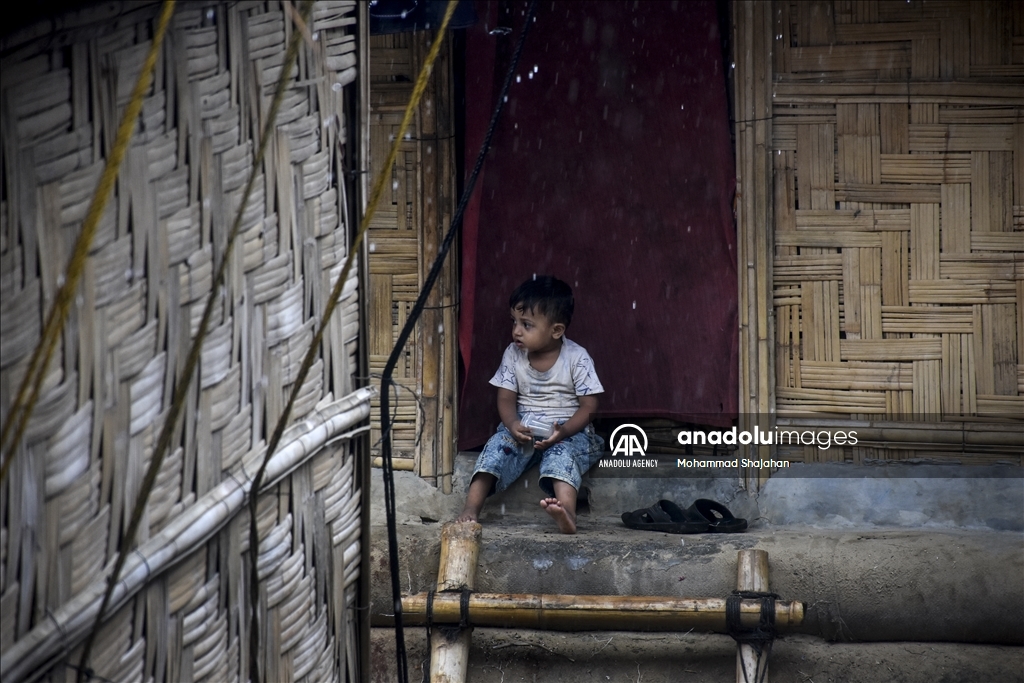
503, 656
867, 585
823, 495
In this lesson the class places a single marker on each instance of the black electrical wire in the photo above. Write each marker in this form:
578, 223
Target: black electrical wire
403, 337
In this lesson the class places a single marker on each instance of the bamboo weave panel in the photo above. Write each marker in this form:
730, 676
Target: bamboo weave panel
898, 252
404, 238
79, 469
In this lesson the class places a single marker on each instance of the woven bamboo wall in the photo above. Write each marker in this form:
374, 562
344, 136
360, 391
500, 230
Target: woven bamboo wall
66, 502
884, 232
404, 238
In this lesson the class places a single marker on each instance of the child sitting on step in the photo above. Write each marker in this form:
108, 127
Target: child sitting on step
547, 393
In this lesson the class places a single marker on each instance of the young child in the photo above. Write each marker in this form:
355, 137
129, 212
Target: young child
548, 381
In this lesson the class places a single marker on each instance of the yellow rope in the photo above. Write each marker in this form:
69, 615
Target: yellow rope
21, 409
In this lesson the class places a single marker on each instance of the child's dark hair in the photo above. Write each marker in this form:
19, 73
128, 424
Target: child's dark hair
546, 295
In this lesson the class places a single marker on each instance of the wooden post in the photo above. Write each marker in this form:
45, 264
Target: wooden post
751, 575
460, 549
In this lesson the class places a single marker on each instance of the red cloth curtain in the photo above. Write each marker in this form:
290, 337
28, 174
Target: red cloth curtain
612, 169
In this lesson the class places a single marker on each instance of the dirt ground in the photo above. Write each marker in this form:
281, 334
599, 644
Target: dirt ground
500, 656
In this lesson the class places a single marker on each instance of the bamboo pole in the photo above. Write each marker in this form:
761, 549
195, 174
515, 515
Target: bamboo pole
460, 550
751, 575
403, 464
593, 612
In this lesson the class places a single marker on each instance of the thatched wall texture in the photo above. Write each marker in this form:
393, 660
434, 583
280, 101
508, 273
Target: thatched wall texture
65, 505
880, 149
403, 241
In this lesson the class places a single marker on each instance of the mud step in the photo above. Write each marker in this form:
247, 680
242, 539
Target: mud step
868, 585
506, 656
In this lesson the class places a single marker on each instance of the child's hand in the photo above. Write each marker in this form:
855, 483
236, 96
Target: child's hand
557, 434
520, 432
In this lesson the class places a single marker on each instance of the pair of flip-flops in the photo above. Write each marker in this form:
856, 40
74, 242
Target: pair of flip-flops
704, 516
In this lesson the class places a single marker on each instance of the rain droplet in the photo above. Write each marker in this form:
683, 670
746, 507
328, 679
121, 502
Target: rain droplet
316, 36
336, 87
128, 274
209, 13
518, 79
530, 75
688, 228
440, 329
373, 247
535, 68
394, 185
634, 305
502, 509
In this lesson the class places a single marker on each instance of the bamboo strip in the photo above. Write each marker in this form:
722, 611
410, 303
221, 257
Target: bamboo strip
832, 400
926, 168
948, 319
960, 292
864, 376
860, 219
894, 194
964, 92
894, 55
829, 239
997, 241
891, 349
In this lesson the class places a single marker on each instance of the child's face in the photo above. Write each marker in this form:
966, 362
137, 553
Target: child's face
534, 332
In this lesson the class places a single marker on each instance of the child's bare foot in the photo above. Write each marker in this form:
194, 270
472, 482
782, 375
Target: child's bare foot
468, 515
565, 519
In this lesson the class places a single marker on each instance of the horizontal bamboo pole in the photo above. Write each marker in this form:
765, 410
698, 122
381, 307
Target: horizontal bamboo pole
594, 612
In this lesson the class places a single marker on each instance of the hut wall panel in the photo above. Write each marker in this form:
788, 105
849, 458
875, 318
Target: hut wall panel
79, 469
897, 133
404, 238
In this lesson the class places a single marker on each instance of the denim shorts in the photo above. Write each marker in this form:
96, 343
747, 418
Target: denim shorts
568, 460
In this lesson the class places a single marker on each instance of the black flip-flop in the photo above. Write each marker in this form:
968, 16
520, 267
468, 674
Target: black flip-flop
666, 516
719, 519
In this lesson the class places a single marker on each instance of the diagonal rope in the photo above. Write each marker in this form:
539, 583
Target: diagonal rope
332, 302
28, 392
403, 337
184, 380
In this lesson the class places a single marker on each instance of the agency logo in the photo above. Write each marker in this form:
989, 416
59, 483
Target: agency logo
625, 440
